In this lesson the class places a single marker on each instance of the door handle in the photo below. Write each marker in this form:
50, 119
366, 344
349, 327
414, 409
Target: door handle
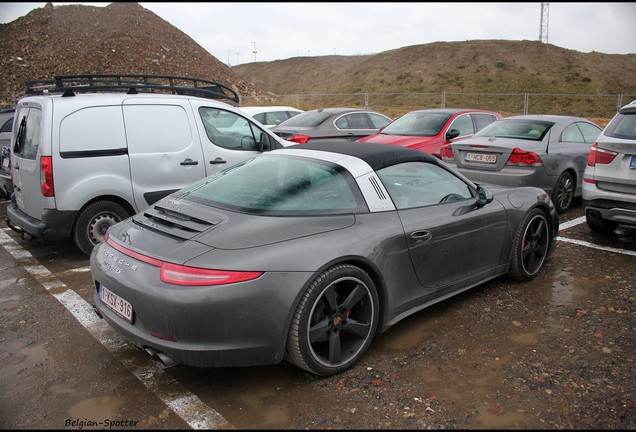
419, 236
217, 161
189, 162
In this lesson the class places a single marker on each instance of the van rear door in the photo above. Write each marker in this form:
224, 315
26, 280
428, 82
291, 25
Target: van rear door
26, 157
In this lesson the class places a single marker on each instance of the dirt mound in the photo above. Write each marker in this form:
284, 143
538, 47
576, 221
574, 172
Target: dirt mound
121, 38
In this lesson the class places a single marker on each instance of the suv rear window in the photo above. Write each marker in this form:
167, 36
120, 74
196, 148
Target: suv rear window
622, 126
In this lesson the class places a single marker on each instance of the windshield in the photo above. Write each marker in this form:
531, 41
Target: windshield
307, 119
533, 130
417, 124
280, 185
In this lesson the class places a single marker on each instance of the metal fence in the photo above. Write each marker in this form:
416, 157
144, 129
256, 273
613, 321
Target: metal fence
394, 104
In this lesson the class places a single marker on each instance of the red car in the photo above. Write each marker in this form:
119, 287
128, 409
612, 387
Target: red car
429, 130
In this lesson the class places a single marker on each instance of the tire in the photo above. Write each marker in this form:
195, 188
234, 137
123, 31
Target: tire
530, 246
600, 225
335, 321
563, 194
93, 221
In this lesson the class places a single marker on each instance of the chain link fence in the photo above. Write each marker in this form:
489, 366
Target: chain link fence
592, 106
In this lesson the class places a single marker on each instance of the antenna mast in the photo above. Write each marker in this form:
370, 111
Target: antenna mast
543, 28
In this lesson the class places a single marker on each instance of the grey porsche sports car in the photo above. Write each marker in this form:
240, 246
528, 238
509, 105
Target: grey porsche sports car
306, 253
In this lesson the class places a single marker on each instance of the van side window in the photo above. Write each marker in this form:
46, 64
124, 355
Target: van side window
93, 131
157, 129
27, 141
229, 130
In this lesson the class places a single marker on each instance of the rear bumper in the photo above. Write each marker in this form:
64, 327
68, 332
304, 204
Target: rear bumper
54, 225
619, 211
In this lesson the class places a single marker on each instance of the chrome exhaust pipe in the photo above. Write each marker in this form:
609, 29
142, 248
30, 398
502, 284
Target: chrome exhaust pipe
164, 358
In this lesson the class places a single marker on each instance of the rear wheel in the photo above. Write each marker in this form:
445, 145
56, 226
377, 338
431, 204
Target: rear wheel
563, 195
93, 221
530, 246
335, 321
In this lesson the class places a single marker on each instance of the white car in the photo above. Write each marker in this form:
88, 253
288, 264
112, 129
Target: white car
609, 183
271, 116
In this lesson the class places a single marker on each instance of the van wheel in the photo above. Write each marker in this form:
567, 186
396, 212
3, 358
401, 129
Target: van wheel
93, 221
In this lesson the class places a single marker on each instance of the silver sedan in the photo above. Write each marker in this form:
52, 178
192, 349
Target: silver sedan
545, 151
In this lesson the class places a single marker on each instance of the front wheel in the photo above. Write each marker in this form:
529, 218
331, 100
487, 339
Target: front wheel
530, 246
93, 221
335, 321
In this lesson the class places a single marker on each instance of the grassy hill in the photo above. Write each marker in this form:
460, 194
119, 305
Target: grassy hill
489, 66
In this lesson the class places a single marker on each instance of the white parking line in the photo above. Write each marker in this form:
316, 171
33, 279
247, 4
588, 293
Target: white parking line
185, 404
580, 220
570, 224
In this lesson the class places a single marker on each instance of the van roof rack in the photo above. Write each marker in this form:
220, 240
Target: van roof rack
68, 85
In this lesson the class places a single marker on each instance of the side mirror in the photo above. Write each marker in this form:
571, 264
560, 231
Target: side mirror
265, 143
484, 196
453, 133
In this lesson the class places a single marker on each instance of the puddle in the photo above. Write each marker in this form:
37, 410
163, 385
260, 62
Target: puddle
506, 420
60, 389
95, 411
529, 338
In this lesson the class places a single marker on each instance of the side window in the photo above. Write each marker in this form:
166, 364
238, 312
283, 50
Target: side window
27, 138
464, 124
572, 134
590, 132
156, 129
482, 120
229, 130
6, 127
97, 129
378, 121
356, 121
275, 117
417, 184
260, 118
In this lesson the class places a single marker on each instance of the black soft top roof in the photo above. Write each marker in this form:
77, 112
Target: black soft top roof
376, 155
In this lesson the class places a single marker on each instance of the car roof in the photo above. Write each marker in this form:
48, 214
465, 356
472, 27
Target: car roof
452, 110
377, 156
547, 117
251, 109
338, 110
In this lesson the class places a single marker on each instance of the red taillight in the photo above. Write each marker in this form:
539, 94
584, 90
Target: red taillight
446, 152
46, 176
184, 275
522, 157
300, 139
600, 156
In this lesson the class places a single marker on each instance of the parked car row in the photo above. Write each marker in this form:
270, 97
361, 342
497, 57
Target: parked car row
215, 240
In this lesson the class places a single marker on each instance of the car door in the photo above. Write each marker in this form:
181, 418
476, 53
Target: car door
164, 150
227, 138
25, 151
449, 240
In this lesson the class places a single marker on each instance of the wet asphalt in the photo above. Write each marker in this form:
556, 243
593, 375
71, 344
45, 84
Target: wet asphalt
554, 353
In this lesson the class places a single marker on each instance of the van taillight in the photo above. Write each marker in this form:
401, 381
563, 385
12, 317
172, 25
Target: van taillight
46, 176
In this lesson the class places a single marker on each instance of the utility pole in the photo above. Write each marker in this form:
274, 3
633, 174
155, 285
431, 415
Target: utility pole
254, 52
543, 27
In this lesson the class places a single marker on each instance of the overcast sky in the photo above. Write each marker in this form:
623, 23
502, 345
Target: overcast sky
231, 32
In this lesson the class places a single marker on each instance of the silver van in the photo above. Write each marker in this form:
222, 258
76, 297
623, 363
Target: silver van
90, 150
